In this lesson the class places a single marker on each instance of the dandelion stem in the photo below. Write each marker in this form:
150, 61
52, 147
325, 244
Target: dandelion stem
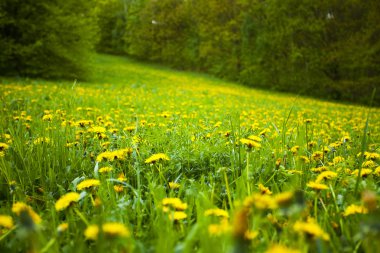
81, 216
247, 169
48, 245
228, 190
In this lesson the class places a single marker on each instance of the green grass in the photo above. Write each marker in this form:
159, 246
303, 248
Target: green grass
225, 144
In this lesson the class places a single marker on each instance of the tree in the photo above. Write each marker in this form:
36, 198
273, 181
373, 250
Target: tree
46, 38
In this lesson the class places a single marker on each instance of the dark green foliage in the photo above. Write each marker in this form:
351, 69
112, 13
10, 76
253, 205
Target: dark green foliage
47, 38
328, 49
111, 21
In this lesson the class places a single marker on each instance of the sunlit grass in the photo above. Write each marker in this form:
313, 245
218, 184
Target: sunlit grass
168, 161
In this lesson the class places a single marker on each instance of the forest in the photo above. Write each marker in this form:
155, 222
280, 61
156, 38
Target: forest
325, 49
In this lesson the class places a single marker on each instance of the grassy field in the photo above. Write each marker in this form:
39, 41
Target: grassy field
147, 159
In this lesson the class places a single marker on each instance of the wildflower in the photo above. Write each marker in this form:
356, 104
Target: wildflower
88, 183
218, 229
377, 171
91, 232
110, 229
326, 175
66, 200
129, 128
365, 172
311, 228
174, 185
369, 164
371, 156
20, 208
281, 249
118, 188
41, 140
264, 132
284, 198
295, 149
308, 121
320, 169
47, 117
250, 235
260, 201
156, 158
355, 209
6, 221
97, 130
3, 146
216, 212
255, 138
317, 186
104, 170
304, 159
250, 143
174, 203
311, 144
345, 139
317, 156
338, 159
264, 190
62, 227
177, 215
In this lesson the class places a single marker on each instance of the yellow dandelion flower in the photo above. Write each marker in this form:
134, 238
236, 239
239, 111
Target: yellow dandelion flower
219, 229
295, 149
365, 172
105, 170
320, 169
216, 212
250, 235
284, 198
317, 186
255, 138
311, 228
281, 249
19, 208
62, 227
377, 171
47, 117
250, 143
6, 221
260, 201
304, 159
91, 232
264, 190
157, 157
177, 215
88, 183
3, 146
317, 156
66, 200
369, 164
118, 188
115, 229
326, 175
175, 203
355, 209
371, 156
41, 140
338, 159
174, 185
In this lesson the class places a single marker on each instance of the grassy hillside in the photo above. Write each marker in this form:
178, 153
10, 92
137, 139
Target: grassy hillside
147, 159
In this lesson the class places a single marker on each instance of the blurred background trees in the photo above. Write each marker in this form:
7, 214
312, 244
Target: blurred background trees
328, 49
46, 38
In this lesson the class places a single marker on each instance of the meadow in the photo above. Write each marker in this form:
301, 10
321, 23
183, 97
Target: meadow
148, 159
